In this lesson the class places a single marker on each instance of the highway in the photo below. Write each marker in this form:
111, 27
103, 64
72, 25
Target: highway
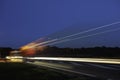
106, 69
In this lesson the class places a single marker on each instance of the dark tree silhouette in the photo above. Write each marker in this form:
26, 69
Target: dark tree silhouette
5, 51
109, 52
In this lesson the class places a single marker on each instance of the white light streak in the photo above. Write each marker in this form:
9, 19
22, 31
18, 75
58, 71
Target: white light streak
95, 60
81, 37
67, 38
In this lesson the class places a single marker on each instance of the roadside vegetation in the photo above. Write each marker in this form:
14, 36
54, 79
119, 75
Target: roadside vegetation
92, 52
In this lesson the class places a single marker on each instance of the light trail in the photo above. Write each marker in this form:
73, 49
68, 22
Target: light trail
111, 30
64, 39
93, 29
94, 60
90, 66
45, 42
59, 67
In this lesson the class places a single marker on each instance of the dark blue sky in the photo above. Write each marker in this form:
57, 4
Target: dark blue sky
22, 21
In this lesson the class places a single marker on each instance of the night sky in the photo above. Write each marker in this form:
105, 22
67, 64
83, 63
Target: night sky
23, 21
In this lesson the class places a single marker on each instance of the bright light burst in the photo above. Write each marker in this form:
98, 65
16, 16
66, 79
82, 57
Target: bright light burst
31, 49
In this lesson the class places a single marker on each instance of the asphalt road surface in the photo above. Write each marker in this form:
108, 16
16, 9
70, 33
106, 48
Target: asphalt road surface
108, 69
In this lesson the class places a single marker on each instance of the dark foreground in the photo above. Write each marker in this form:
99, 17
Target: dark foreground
23, 71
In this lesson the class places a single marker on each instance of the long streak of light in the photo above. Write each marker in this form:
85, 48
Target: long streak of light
64, 39
64, 68
95, 60
45, 42
111, 30
93, 29
34, 42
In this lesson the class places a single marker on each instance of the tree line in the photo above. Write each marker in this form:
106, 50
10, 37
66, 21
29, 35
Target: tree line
110, 52
5, 51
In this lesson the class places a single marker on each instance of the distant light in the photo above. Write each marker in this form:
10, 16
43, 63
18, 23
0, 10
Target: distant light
10, 57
